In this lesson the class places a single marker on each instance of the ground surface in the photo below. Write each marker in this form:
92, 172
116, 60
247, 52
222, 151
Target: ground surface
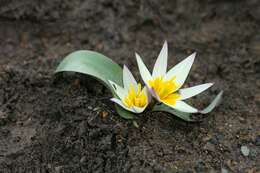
61, 124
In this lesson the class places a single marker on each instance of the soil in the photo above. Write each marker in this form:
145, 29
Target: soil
66, 123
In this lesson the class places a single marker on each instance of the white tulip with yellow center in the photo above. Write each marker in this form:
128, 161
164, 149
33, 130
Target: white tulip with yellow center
131, 97
165, 86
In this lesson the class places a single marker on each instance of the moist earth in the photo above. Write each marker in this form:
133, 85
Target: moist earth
66, 124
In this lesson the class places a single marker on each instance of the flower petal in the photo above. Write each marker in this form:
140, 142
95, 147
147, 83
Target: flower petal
160, 65
144, 72
120, 92
192, 91
134, 109
181, 70
153, 93
149, 96
141, 109
120, 103
128, 79
183, 107
145, 90
138, 109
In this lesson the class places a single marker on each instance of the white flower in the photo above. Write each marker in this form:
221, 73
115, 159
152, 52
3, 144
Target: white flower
165, 86
131, 97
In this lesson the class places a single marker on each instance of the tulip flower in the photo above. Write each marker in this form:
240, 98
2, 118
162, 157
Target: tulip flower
165, 86
131, 96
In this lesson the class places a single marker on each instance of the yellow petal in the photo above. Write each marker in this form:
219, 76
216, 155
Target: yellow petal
171, 99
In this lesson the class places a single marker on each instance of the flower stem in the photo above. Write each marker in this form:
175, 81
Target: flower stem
152, 104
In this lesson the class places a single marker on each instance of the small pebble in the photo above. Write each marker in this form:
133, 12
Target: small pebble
245, 150
241, 119
90, 107
224, 170
83, 159
58, 169
96, 109
104, 114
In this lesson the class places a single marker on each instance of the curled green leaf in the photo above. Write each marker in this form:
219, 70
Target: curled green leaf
188, 116
213, 104
98, 66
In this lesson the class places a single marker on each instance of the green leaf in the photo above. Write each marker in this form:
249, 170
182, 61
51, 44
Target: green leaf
100, 67
187, 116
124, 113
213, 104
93, 64
164, 108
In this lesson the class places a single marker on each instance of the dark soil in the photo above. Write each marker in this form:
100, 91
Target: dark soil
66, 123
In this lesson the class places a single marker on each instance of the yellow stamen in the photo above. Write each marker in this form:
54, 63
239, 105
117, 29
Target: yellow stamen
135, 98
166, 90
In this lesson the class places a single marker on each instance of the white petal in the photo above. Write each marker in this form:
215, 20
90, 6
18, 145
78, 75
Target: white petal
183, 107
192, 91
145, 90
181, 70
138, 109
160, 65
144, 72
134, 109
120, 103
120, 92
153, 93
128, 78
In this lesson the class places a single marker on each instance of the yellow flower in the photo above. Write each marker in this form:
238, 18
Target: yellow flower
135, 98
165, 86
131, 97
165, 90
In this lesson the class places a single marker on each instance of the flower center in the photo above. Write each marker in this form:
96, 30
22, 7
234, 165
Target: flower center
165, 90
135, 98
